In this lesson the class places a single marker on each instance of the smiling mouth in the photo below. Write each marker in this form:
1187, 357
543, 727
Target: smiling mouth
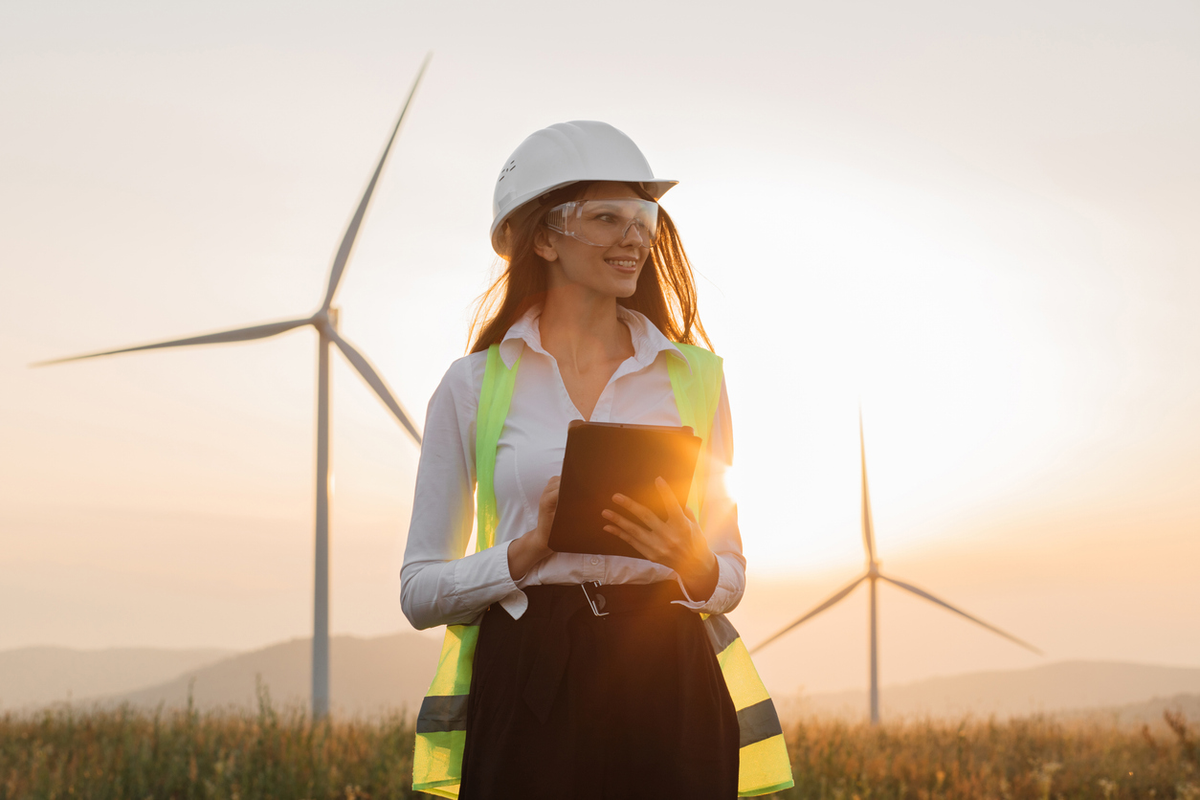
621, 263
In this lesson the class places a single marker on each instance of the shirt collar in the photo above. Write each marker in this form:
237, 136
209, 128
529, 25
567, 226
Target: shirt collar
648, 340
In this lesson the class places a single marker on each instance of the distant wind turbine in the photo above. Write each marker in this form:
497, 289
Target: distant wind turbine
873, 574
325, 321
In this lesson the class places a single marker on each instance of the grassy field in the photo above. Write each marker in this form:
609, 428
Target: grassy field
127, 754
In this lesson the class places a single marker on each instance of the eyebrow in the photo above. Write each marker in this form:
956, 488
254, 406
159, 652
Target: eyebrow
612, 203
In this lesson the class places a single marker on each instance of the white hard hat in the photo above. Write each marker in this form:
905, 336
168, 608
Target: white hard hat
564, 153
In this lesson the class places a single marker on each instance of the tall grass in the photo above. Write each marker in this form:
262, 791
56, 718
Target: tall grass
124, 753
1022, 758
185, 754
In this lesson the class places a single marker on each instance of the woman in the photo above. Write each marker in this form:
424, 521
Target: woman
568, 675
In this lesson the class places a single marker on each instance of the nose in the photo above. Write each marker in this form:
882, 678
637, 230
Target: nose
638, 231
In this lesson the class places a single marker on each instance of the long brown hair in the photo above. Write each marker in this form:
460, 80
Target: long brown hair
665, 293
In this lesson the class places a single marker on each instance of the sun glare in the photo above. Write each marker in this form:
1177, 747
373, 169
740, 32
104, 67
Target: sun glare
889, 298
731, 480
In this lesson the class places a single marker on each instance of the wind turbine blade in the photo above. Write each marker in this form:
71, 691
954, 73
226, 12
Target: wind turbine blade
373, 379
868, 521
344, 250
922, 593
238, 335
845, 590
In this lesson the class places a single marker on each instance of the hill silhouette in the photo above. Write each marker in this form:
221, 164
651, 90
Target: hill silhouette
35, 676
369, 676
1063, 687
391, 673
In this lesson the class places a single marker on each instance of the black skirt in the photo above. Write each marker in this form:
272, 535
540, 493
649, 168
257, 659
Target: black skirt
571, 706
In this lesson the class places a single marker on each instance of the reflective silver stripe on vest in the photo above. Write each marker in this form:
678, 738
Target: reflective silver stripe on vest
758, 722
442, 713
720, 632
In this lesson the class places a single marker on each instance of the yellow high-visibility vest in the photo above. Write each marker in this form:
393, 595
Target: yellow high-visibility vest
763, 765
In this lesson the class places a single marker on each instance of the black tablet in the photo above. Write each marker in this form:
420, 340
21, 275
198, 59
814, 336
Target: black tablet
606, 458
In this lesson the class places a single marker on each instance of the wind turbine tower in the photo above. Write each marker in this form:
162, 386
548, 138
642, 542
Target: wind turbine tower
325, 321
873, 575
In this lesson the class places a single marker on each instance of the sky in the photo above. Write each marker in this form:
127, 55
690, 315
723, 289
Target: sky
975, 222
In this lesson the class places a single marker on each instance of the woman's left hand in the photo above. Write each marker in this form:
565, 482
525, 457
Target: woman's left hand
677, 543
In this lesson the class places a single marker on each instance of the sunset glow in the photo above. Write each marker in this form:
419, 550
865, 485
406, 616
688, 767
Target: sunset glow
974, 223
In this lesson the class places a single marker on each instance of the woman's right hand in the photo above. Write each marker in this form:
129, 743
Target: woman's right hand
530, 549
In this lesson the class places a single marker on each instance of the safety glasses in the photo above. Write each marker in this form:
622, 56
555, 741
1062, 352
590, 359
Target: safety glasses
603, 223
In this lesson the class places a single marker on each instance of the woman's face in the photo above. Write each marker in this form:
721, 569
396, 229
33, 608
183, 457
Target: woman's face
609, 271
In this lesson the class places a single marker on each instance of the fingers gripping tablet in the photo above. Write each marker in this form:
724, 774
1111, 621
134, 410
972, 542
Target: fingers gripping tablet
605, 458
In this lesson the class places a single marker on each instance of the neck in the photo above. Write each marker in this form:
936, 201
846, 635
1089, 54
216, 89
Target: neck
579, 327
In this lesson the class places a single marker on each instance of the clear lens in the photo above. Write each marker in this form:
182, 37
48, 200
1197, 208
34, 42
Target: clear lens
604, 223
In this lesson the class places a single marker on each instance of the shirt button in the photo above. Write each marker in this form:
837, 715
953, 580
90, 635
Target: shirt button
595, 560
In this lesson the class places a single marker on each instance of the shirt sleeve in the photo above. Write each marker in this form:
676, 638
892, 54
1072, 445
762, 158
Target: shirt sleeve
720, 523
438, 585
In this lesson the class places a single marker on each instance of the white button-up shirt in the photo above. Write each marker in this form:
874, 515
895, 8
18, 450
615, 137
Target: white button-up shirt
438, 585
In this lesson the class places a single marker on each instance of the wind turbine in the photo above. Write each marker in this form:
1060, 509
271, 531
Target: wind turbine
325, 321
874, 575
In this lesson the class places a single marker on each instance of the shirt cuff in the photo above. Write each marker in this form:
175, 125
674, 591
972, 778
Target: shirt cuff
724, 596
483, 578
515, 603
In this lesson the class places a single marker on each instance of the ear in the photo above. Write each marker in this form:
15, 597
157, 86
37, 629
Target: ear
543, 246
